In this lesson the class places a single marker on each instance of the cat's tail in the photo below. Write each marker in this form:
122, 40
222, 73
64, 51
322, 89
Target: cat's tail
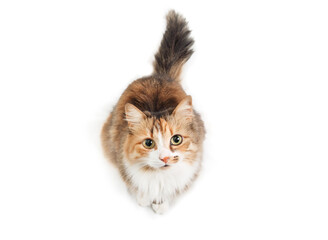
175, 48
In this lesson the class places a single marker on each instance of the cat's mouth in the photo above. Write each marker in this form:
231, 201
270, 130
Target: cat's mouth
165, 166
171, 162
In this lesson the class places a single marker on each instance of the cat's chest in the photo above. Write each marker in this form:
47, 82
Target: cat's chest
164, 183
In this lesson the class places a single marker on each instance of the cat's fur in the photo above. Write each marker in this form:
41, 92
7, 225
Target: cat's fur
156, 107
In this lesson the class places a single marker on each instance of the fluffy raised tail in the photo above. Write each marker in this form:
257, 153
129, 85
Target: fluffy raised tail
175, 48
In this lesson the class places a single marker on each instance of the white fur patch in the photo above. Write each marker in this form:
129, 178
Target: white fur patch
162, 184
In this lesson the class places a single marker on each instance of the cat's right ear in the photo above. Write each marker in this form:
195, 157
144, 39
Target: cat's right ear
133, 115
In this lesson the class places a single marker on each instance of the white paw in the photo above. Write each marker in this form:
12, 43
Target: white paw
142, 200
160, 208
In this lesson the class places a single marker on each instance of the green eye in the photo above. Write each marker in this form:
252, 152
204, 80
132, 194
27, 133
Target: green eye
148, 143
176, 140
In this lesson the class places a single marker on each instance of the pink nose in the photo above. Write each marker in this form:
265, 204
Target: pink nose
165, 159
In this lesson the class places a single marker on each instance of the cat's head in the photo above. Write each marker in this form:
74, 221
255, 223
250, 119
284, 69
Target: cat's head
160, 142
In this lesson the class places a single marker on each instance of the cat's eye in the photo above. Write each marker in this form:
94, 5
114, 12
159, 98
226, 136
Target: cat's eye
176, 140
148, 143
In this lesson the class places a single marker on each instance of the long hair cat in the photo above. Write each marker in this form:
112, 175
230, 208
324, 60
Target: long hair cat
153, 135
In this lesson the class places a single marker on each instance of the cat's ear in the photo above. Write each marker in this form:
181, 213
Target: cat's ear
184, 109
133, 115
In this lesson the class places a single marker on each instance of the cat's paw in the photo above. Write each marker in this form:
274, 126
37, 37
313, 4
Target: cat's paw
160, 208
143, 201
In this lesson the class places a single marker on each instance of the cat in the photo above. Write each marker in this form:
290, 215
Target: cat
153, 135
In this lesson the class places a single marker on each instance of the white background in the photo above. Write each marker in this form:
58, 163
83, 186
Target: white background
258, 77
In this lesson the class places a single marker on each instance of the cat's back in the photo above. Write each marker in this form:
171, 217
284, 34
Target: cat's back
155, 95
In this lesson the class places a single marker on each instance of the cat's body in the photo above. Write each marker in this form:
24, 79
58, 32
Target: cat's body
153, 135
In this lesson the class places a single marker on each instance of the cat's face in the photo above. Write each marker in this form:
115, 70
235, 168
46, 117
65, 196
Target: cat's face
160, 143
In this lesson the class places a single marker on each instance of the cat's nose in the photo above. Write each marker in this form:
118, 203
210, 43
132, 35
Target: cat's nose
165, 159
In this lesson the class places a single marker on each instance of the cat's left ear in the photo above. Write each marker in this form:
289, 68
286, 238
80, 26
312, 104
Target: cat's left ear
184, 109
133, 115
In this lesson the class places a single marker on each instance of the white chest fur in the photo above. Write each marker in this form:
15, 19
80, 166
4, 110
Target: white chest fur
162, 184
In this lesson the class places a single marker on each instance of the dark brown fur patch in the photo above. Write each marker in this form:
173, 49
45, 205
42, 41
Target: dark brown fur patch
154, 96
175, 48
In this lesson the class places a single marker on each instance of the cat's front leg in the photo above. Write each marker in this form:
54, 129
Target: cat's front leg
142, 199
160, 208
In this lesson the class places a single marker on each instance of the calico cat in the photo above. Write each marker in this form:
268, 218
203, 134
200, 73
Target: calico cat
153, 135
